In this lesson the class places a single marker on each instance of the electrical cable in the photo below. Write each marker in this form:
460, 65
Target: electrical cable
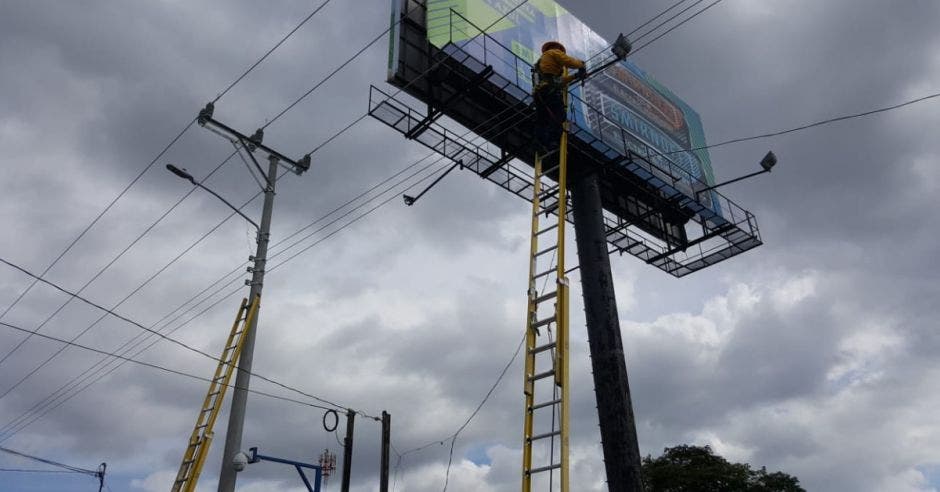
519, 5
152, 366
171, 208
146, 168
641, 26
24, 423
70, 468
165, 337
818, 123
222, 279
273, 48
480, 406
310, 246
453, 437
146, 231
767, 135
696, 14
331, 74
100, 272
21, 470
428, 70
670, 19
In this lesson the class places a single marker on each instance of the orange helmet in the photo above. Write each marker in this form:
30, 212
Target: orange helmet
553, 45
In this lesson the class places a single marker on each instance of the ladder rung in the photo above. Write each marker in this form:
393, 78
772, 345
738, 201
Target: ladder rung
547, 193
550, 152
545, 404
550, 170
542, 375
550, 209
551, 295
546, 250
546, 272
546, 435
543, 348
543, 469
549, 228
543, 322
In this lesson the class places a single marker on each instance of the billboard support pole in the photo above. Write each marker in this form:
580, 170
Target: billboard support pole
611, 387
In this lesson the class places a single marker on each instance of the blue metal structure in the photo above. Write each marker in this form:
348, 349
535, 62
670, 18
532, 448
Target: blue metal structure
254, 457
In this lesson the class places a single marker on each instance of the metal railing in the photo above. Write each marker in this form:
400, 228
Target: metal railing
654, 166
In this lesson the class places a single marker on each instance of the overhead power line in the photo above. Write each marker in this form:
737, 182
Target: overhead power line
153, 366
153, 161
667, 21
25, 420
69, 468
100, 272
137, 178
453, 437
22, 470
272, 50
820, 123
357, 54
169, 339
428, 70
21, 421
673, 28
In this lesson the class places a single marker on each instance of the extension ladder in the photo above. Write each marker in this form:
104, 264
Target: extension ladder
546, 418
201, 438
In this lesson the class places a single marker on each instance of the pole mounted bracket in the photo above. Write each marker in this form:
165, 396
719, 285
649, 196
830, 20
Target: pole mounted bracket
255, 140
252, 143
205, 114
303, 165
621, 47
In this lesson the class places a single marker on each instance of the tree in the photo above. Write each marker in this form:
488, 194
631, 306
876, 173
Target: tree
697, 469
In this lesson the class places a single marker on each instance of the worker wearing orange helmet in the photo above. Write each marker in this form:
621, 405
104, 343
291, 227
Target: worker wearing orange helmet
548, 92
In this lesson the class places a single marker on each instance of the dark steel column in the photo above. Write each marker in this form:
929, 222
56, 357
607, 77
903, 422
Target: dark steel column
386, 442
347, 449
611, 388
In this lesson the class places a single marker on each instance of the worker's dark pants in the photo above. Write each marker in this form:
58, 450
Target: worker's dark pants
549, 117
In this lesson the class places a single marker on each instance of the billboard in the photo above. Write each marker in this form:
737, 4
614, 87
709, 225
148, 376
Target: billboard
658, 123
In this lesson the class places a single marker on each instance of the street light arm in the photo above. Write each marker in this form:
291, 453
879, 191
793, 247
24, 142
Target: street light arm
735, 180
189, 177
767, 163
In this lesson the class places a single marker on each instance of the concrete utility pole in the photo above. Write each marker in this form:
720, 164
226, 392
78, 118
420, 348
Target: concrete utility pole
233, 436
611, 387
236, 420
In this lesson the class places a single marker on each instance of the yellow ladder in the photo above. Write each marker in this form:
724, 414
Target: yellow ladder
546, 419
201, 438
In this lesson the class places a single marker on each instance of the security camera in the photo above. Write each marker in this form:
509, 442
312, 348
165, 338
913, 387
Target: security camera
240, 461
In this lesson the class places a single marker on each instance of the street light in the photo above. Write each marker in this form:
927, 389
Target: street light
189, 177
767, 163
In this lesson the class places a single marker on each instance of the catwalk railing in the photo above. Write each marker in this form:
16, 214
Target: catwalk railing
475, 59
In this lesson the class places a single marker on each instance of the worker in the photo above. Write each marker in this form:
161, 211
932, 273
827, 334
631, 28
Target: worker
549, 91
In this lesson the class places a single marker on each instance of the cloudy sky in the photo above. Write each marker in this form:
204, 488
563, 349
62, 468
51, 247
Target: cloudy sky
815, 354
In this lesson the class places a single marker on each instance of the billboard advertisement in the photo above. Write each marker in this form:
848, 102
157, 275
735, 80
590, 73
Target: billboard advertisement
656, 121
